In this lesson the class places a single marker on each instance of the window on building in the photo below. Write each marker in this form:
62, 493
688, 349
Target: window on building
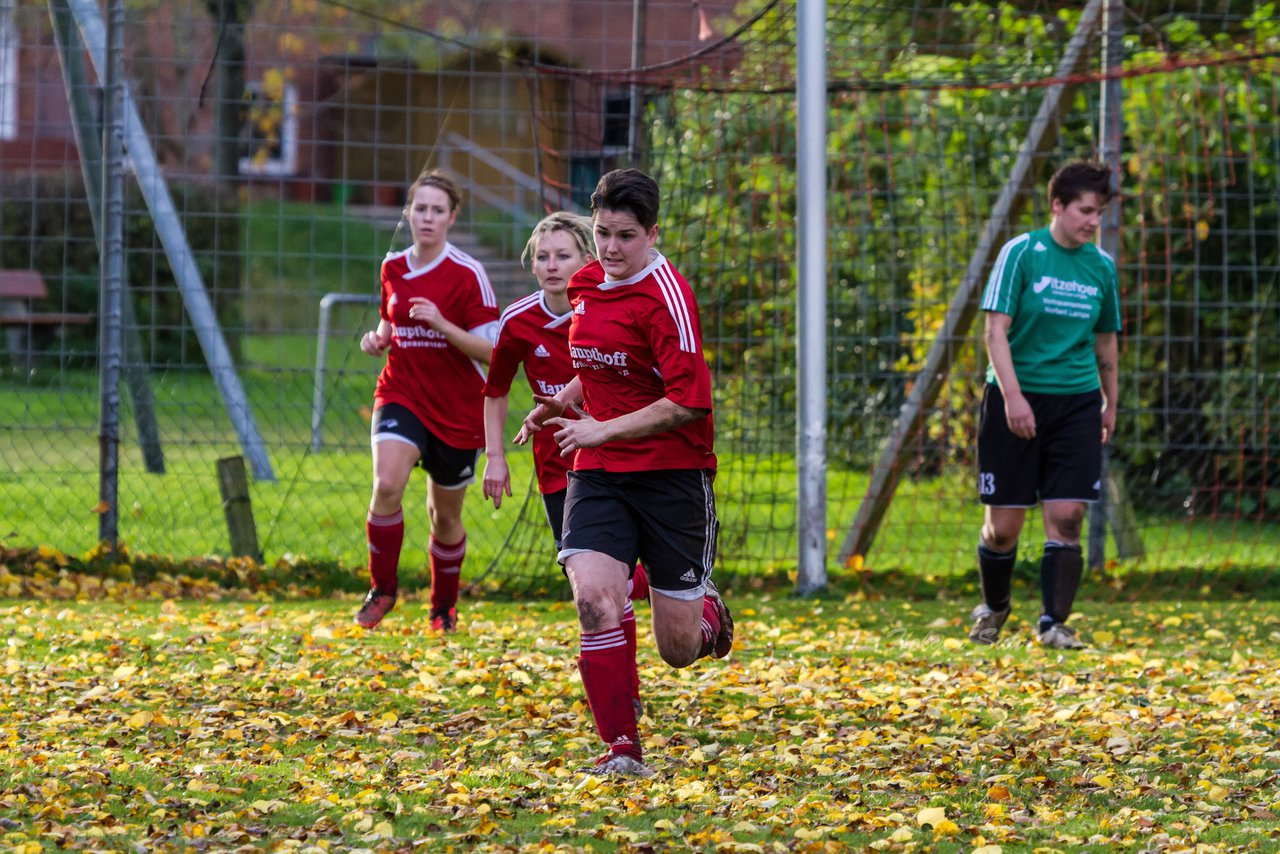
8, 70
270, 135
617, 119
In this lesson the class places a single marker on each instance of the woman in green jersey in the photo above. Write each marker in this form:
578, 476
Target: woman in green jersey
1052, 313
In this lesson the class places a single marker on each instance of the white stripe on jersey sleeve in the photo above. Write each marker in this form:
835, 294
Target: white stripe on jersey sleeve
521, 305
487, 295
676, 305
997, 271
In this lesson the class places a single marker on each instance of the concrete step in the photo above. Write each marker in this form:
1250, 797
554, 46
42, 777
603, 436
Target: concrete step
510, 281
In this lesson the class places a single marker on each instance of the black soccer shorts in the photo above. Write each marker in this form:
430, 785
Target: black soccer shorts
448, 467
1062, 463
665, 518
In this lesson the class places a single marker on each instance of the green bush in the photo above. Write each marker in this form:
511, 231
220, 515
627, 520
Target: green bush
46, 225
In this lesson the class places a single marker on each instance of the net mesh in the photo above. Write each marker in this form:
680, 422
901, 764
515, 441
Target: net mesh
296, 193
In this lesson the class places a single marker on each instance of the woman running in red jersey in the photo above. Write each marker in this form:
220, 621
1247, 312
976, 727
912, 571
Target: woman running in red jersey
439, 317
644, 465
534, 333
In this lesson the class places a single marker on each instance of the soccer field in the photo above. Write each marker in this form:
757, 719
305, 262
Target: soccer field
838, 723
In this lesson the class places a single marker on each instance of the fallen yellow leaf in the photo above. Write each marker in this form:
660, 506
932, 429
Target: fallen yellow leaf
931, 816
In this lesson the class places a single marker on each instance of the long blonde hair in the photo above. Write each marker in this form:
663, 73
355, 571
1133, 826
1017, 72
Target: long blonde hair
578, 226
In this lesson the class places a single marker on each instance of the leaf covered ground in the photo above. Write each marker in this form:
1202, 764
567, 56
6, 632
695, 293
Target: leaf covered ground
159, 723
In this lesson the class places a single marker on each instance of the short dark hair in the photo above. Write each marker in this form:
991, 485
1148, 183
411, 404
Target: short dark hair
628, 190
441, 181
1079, 177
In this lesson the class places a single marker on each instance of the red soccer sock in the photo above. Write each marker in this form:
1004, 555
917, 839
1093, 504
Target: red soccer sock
638, 586
629, 631
605, 676
710, 621
385, 535
446, 572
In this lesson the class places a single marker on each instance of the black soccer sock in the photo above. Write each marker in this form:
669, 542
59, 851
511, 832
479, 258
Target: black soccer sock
1060, 571
995, 571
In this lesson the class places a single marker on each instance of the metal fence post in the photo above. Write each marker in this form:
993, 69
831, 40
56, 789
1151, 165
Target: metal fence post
111, 252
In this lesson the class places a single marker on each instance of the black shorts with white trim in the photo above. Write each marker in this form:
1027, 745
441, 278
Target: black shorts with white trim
448, 467
666, 518
1062, 462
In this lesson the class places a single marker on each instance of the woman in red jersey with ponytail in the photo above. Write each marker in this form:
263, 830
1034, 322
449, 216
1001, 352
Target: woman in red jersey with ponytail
439, 317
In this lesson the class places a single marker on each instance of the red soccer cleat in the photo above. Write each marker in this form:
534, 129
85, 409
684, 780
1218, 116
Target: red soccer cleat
376, 606
445, 620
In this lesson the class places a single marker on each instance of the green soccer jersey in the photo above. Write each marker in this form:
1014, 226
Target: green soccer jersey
1058, 298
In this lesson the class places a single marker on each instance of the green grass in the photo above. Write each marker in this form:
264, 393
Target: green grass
835, 724
315, 507
296, 253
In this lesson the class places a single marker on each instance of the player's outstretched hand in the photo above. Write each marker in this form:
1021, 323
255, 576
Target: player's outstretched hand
580, 432
497, 479
546, 408
373, 343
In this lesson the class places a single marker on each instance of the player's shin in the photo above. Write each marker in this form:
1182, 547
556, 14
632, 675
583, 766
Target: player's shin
446, 573
1060, 572
385, 536
995, 573
629, 631
606, 677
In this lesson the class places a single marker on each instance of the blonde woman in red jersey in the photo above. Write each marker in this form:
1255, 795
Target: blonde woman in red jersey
534, 333
439, 318
644, 465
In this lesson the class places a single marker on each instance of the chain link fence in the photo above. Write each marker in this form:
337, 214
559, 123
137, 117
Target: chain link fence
286, 133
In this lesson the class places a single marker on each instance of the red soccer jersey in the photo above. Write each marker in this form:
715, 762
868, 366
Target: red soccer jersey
635, 341
434, 380
532, 335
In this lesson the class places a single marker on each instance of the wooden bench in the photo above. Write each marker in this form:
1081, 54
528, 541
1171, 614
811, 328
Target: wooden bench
18, 290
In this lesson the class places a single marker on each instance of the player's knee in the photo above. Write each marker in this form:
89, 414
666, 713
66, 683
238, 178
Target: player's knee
999, 540
595, 613
444, 520
1070, 528
387, 492
677, 653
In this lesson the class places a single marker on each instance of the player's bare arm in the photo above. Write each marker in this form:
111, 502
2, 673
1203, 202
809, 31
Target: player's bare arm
375, 341
497, 477
472, 346
1107, 351
587, 432
1022, 423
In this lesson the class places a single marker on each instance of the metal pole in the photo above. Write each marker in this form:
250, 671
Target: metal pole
169, 229
639, 9
1111, 131
322, 357
88, 134
111, 251
811, 266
